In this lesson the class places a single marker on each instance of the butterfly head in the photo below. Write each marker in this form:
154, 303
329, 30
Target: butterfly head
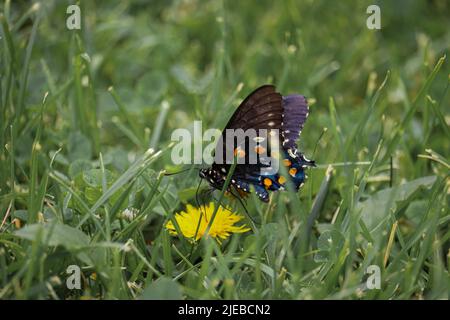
203, 173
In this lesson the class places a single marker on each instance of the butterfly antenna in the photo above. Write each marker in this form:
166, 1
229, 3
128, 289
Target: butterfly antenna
318, 140
178, 172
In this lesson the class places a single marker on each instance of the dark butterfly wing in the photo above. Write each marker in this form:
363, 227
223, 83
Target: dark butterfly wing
262, 109
256, 103
296, 112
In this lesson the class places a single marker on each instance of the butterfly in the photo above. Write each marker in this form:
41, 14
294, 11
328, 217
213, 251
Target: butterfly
276, 122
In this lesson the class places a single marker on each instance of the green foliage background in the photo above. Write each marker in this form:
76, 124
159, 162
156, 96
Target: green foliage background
80, 109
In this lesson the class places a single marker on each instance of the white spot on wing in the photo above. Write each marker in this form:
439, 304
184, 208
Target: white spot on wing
291, 153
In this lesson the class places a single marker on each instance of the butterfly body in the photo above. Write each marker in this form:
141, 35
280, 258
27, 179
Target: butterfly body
262, 184
273, 118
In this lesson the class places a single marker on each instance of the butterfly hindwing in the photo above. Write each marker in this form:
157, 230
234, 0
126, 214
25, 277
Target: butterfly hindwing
296, 112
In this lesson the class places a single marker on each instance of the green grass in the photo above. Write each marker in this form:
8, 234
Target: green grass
86, 120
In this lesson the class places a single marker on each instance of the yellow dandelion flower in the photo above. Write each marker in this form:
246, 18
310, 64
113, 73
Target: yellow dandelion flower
221, 228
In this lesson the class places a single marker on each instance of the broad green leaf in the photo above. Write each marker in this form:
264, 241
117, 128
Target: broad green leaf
329, 245
94, 177
416, 210
375, 210
21, 214
117, 157
79, 146
79, 166
162, 289
57, 235
152, 93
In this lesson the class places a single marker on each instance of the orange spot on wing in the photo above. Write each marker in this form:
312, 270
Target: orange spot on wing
293, 171
267, 182
239, 152
287, 162
281, 179
260, 150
